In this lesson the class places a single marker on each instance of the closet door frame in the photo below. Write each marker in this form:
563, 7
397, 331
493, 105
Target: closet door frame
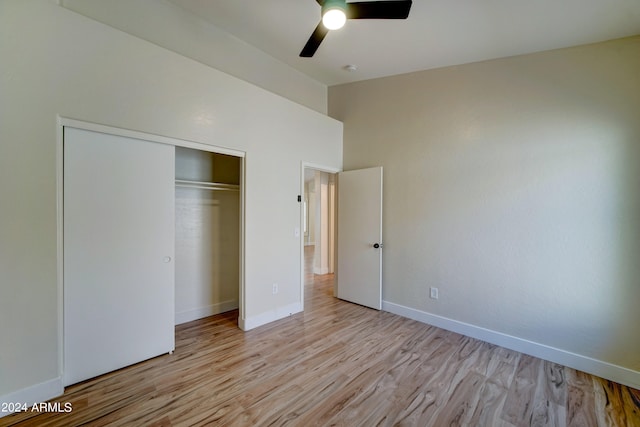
63, 122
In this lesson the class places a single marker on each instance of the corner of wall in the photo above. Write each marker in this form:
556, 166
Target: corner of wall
269, 316
36, 393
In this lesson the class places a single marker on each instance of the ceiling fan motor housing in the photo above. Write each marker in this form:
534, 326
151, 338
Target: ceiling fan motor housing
334, 4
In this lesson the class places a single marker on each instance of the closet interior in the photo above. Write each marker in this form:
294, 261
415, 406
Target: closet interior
207, 233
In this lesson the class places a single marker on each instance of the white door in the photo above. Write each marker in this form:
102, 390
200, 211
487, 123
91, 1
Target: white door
118, 252
359, 275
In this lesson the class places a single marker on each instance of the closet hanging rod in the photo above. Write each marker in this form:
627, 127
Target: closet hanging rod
202, 185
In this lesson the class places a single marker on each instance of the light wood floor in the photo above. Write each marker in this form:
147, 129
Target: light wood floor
344, 365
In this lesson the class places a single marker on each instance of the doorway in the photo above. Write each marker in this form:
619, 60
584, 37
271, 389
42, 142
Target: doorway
356, 256
319, 215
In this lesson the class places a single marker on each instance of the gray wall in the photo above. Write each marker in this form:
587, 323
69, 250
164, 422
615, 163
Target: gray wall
513, 186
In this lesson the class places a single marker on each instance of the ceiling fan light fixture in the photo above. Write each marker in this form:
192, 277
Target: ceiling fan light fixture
334, 14
339, 9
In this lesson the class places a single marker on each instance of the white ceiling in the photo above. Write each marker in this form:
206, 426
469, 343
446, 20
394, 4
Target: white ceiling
437, 33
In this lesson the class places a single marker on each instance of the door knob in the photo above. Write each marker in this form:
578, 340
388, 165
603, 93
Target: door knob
377, 245
166, 259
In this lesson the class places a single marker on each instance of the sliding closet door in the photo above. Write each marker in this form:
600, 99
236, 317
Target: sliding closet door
118, 252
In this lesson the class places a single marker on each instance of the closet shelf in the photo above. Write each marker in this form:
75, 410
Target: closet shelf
203, 185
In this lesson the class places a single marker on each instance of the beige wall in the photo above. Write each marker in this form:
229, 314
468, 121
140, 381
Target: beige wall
513, 186
55, 62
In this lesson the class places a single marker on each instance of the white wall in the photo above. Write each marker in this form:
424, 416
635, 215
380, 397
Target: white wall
167, 25
56, 62
207, 253
513, 186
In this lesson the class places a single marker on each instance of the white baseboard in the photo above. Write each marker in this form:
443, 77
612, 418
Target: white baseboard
34, 394
209, 310
595, 367
321, 271
269, 316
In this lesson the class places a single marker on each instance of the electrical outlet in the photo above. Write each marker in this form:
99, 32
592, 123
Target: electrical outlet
275, 288
433, 293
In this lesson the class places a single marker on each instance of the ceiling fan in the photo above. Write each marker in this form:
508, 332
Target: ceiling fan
336, 12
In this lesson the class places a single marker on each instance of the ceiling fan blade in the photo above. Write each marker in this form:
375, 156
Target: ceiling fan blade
379, 9
314, 41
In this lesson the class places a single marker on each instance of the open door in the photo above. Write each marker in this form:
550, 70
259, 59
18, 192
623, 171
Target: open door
359, 275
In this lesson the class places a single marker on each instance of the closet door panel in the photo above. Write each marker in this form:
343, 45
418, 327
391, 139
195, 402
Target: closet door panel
118, 252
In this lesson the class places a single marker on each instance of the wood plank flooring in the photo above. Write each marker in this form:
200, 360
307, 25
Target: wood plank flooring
340, 364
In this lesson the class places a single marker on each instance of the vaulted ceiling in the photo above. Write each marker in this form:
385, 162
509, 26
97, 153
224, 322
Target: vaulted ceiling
437, 33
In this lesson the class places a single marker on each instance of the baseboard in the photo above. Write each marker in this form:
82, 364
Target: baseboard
34, 394
209, 310
595, 367
269, 316
321, 271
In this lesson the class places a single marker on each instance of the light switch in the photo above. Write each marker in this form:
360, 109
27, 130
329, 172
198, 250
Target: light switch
296, 232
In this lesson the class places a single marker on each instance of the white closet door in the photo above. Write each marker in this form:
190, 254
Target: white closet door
118, 252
